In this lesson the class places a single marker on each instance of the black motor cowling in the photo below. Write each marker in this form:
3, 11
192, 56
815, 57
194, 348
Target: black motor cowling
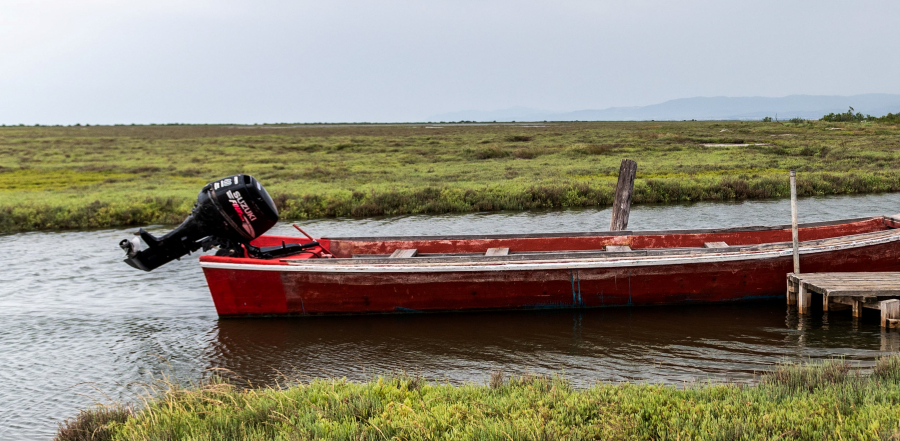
229, 212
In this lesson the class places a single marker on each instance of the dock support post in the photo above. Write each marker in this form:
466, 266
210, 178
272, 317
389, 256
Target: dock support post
803, 299
624, 191
791, 291
794, 233
857, 308
825, 302
890, 309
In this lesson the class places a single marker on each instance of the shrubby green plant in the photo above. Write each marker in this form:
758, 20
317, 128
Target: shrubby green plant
822, 400
889, 118
847, 116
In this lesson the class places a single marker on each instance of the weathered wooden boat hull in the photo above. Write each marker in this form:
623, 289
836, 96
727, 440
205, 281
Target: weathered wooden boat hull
244, 287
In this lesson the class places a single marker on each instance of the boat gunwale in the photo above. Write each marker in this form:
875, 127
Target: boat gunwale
617, 259
741, 229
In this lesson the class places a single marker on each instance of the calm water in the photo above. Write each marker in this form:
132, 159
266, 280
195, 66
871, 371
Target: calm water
78, 326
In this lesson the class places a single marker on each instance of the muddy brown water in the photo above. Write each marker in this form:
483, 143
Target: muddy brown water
78, 326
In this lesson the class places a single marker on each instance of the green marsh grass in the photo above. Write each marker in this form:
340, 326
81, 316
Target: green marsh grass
102, 176
825, 400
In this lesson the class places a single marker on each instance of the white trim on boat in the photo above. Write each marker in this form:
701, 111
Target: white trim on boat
556, 264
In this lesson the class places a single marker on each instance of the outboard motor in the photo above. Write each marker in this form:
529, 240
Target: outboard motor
229, 213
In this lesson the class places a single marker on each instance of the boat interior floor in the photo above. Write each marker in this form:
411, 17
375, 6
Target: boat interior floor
608, 252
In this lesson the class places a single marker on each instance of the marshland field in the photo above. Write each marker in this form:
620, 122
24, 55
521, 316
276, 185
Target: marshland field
103, 176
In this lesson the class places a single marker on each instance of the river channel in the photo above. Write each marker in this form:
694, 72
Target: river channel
78, 326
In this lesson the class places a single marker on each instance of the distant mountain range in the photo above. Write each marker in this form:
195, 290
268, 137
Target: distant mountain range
701, 108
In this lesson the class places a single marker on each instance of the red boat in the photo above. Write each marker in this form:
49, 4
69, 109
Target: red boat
253, 274
358, 275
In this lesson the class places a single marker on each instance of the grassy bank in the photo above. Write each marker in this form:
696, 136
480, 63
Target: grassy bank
820, 401
76, 177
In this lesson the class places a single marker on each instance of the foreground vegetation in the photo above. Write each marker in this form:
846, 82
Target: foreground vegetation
76, 177
818, 401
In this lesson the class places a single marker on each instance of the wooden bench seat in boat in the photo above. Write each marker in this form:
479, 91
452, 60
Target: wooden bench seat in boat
404, 253
497, 252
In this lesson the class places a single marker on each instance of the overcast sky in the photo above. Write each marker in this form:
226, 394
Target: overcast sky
114, 61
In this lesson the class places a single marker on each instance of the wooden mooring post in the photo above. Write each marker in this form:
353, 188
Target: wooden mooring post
795, 234
624, 191
793, 291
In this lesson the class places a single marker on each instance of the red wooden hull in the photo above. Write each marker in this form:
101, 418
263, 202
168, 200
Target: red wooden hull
303, 286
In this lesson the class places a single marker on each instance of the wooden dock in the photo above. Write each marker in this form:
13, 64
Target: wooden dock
875, 290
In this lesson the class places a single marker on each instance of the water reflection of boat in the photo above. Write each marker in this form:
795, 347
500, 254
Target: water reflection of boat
616, 344
576, 270
673, 344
